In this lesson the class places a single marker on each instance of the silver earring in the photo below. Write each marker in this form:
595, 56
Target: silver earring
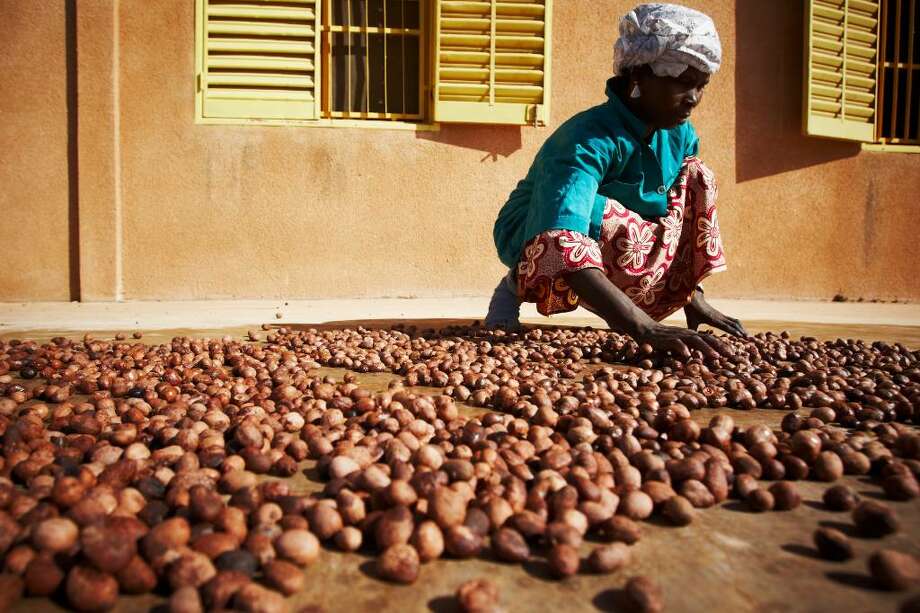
635, 93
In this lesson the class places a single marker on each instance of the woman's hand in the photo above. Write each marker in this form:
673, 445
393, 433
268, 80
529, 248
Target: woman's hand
680, 341
700, 312
609, 301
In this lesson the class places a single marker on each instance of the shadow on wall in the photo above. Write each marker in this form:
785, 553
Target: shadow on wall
768, 93
493, 141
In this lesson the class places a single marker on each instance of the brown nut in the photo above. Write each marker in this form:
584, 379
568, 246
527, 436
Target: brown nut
192, 569
678, 511
563, 560
833, 544
644, 595
760, 500
806, 445
559, 532
185, 600
785, 495
609, 558
697, 494
55, 535
398, 563
325, 521
510, 546
68, 491
349, 538
394, 526
219, 591
18, 559
901, 487
205, 503
91, 590
636, 505
428, 541
447, 508
169, 534
109, 545
478, 596
43, 576
213, 544
875, 519
744, 485
840, 498
893, 570
253, 598
136, 577
462, 542
828, 466
298, 546
284, 577
622, 529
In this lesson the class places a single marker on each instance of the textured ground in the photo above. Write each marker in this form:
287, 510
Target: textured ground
729, 559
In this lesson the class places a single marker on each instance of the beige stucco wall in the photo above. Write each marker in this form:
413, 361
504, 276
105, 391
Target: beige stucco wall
34, 219
175, 210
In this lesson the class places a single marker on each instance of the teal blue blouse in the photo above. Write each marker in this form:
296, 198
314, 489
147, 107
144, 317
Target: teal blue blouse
598, 154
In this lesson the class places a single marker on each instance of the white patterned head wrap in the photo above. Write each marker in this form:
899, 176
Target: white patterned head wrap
669, 38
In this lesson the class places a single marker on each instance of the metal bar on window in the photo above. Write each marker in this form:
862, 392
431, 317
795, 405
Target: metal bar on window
422, 16
327, 58
402, 44
895, 70
386, 71
880, 68
373, 115
375, 30
910, 66
367, 60
350, 57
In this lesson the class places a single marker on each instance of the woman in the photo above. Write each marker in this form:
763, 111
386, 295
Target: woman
617, 213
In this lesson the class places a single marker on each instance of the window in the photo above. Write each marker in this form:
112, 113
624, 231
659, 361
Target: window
325, 61
861, 61
373, 59
899, 74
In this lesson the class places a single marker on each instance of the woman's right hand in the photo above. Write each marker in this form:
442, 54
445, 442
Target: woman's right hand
680, 341
622, 315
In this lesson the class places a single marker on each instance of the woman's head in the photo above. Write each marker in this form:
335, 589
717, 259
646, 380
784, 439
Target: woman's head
667, 54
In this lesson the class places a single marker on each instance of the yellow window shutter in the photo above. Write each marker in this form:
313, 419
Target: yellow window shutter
492, 61
841, 64
258, 59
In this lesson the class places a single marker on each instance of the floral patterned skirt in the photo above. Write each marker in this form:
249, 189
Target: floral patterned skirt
658, 264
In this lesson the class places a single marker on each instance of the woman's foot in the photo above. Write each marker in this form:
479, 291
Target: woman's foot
504, 307
699, 312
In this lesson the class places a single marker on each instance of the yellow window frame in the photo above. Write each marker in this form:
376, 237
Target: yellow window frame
257, 61
492, 61
845, 68
503, 101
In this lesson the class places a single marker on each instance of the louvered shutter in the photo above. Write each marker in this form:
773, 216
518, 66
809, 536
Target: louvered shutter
259, 59
841, 67
492, 61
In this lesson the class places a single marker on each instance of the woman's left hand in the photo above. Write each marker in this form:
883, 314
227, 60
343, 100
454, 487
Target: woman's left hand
700, 312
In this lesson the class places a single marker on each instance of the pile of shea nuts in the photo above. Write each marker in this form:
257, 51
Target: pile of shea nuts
128, 468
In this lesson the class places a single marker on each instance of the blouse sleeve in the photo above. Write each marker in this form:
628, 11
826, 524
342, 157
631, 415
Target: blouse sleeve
565, 192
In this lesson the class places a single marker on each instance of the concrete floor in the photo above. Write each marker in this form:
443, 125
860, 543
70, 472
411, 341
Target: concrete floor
728, 560
231, 313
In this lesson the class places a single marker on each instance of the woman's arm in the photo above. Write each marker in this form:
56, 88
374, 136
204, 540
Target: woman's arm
622, 315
